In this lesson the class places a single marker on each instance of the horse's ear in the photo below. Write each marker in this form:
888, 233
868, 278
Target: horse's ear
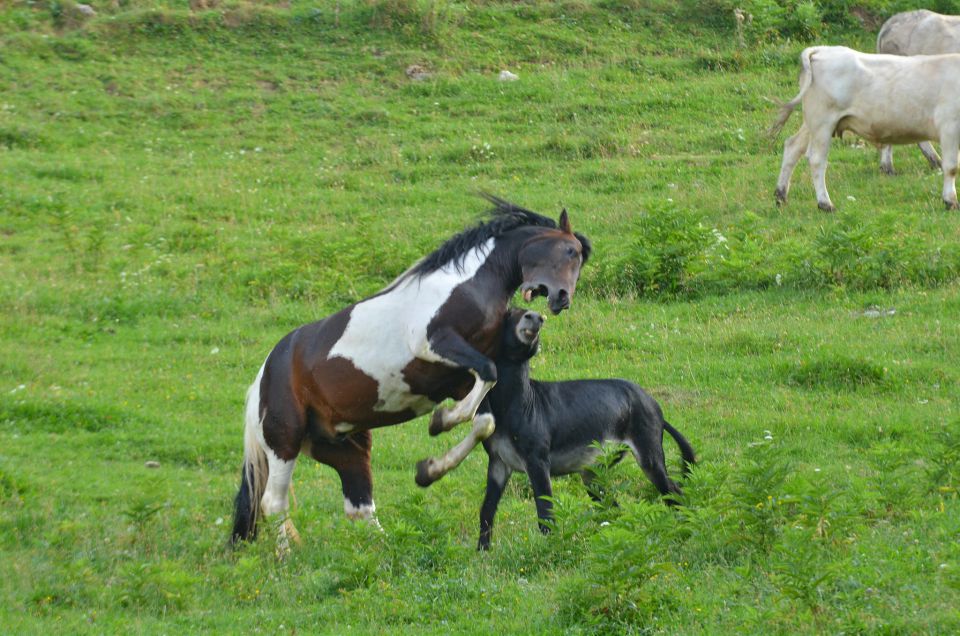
565, 222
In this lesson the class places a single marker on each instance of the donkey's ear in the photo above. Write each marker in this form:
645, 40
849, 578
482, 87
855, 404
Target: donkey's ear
565, 222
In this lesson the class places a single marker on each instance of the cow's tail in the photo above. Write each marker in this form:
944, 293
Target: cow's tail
686, 450
253, 475
882, 35
892, 46
806, 79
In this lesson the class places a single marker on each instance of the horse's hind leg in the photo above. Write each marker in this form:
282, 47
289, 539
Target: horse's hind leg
350, 457
276, 498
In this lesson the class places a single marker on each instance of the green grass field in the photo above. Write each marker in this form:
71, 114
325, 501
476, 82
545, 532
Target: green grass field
180, 189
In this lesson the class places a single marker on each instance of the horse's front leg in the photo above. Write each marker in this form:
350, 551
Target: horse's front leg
445, 418
451, 348
433, 468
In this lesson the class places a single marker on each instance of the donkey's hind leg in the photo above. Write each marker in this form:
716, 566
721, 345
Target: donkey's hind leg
645, 440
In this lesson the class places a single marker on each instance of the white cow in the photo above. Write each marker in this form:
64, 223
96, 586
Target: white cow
917, 33
886, 99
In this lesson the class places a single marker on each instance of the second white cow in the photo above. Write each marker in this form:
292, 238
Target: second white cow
886, 99
919, 32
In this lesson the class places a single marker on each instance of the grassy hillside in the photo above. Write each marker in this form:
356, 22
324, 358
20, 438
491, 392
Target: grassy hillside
179, 189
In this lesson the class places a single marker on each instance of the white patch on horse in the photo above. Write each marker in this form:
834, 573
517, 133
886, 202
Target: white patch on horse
343, 427
387, 332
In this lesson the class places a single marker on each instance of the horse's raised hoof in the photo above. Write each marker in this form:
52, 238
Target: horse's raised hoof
826, 207
436, 422
424, 478
484, 425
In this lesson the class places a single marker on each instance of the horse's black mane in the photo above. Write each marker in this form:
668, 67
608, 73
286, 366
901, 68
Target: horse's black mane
504, 217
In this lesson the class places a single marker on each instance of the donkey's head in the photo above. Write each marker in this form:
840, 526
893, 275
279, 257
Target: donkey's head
521, 335
551, 261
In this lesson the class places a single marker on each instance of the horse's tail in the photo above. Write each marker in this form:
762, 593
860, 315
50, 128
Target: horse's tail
686, 450
806, 79
253, 477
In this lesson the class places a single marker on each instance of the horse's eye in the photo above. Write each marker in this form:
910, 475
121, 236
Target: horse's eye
571, 252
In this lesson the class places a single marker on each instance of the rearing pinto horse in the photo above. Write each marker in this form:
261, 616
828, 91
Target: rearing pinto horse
428, 336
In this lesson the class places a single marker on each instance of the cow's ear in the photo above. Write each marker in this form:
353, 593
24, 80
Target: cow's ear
565, 222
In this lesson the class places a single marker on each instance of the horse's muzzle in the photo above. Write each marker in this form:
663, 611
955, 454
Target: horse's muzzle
559, 301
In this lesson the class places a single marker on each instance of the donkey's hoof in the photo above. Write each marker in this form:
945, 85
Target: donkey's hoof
436, 422
423, 477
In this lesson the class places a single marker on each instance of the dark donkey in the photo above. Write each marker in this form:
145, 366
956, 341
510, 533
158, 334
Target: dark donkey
394, 356
548, 428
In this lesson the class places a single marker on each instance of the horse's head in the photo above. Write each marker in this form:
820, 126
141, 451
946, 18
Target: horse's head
521, 334
551, 262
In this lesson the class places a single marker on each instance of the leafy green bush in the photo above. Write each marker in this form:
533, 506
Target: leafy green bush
668, 249
676, 253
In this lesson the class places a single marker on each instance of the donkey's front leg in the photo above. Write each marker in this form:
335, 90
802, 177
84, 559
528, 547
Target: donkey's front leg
451, 348
538, 470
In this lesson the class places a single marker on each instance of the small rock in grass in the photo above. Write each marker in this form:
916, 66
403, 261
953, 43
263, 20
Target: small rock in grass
507, 76
418, 73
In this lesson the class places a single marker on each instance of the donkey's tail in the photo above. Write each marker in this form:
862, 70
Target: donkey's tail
686, 450
806, 79
253, 477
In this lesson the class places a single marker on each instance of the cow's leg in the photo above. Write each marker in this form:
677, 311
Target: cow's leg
949, 144
817, 151
793, 149
886, 160
431, 469
498, 473
931, 154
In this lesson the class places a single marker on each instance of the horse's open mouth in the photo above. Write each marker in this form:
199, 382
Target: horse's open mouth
532, 292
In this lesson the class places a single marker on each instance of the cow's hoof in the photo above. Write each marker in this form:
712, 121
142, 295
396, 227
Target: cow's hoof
424, 478
436, 422
826, 207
